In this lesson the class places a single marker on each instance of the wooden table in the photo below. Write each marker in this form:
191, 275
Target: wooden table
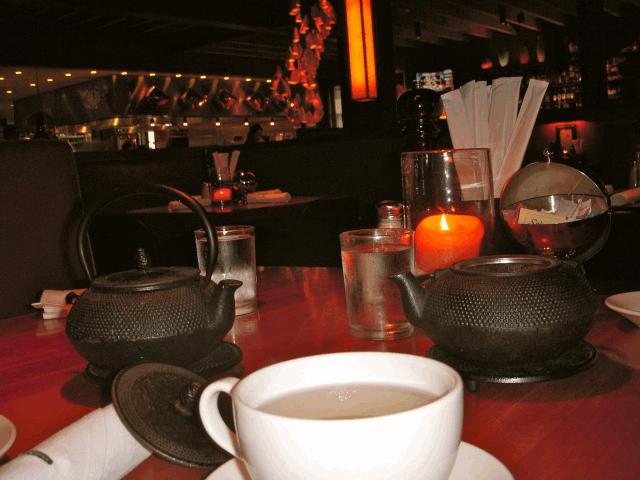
583, 427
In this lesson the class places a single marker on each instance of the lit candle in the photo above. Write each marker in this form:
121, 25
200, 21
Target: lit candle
442, 240
222, 194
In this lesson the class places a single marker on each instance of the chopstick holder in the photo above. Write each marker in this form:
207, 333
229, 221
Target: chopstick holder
269, 196
521, 133
96, 447
56, 303
481, 98
626, 197
233, 163
461, 136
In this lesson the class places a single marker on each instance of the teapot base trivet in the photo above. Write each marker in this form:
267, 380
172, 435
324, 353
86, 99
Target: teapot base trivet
575, 360
223, 357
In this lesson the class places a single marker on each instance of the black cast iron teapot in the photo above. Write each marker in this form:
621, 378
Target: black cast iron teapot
167, 315
502, 310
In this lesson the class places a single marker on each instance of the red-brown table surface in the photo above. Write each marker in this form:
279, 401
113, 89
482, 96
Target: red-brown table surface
583, 427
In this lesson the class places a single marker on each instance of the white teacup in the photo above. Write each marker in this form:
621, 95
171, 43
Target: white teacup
295, 419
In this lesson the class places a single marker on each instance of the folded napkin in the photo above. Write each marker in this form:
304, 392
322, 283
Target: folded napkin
176, 205
56, 303
625, 198
96, 447
269, 196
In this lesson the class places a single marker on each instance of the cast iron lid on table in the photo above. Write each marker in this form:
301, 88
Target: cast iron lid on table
158, 404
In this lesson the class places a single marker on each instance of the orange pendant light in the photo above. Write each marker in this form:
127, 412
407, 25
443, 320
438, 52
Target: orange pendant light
361, 50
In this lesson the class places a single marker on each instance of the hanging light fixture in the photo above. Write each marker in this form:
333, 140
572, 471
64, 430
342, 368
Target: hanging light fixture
157, 97
272, 122
218, 121
361, 50
246, 120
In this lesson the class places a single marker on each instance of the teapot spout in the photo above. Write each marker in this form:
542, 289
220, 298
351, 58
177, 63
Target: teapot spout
413, 296
221, 305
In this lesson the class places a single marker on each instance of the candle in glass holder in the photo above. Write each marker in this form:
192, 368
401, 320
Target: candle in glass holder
442, 240
222, 195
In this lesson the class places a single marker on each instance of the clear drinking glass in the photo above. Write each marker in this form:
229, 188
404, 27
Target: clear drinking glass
236, 260
448, 197
369, 257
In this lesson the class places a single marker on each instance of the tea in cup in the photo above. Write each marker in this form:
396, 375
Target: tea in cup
342, 416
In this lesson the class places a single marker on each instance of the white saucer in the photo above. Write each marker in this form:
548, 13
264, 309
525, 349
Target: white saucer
472, 463
7, 434
626, 304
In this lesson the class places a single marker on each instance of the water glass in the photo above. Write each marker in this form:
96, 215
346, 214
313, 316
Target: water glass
236, 260
369, 257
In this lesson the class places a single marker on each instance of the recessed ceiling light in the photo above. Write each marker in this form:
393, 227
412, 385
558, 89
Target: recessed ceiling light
49, 79
123, 73
178, 75
67, 74
269, 80
225, 78
9, 91
247, 79
203, 76
152, 74
1, 78
18, 73
93, 72
32, 84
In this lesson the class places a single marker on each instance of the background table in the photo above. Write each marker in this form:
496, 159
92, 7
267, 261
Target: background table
583, 427
302, 232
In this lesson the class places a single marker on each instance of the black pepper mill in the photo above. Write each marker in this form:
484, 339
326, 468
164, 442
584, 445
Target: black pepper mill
419, 111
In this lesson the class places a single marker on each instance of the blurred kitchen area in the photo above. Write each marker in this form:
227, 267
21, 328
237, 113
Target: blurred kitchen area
120, 110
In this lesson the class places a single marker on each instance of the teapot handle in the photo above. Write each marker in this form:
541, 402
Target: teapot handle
153, 189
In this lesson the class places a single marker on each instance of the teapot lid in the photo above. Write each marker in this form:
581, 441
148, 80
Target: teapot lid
145, 279
158, 404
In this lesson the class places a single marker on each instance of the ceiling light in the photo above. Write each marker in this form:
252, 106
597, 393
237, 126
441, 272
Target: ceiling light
93, 72
247, 79
178, 75
123, 73
67, 74
49, 79
272, 122
9, 91
1, 78
18, 73
152, 74
225, 78
185, 123
32, 84
203, 76
217, 121
246, 120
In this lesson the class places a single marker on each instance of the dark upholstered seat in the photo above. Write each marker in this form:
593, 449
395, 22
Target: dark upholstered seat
40, 209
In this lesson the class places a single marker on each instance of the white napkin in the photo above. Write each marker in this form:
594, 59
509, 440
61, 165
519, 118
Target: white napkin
626, 197
96, 447
54, 303
269, 196
176, 205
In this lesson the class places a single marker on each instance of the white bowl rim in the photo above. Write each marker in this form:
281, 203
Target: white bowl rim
609, 302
